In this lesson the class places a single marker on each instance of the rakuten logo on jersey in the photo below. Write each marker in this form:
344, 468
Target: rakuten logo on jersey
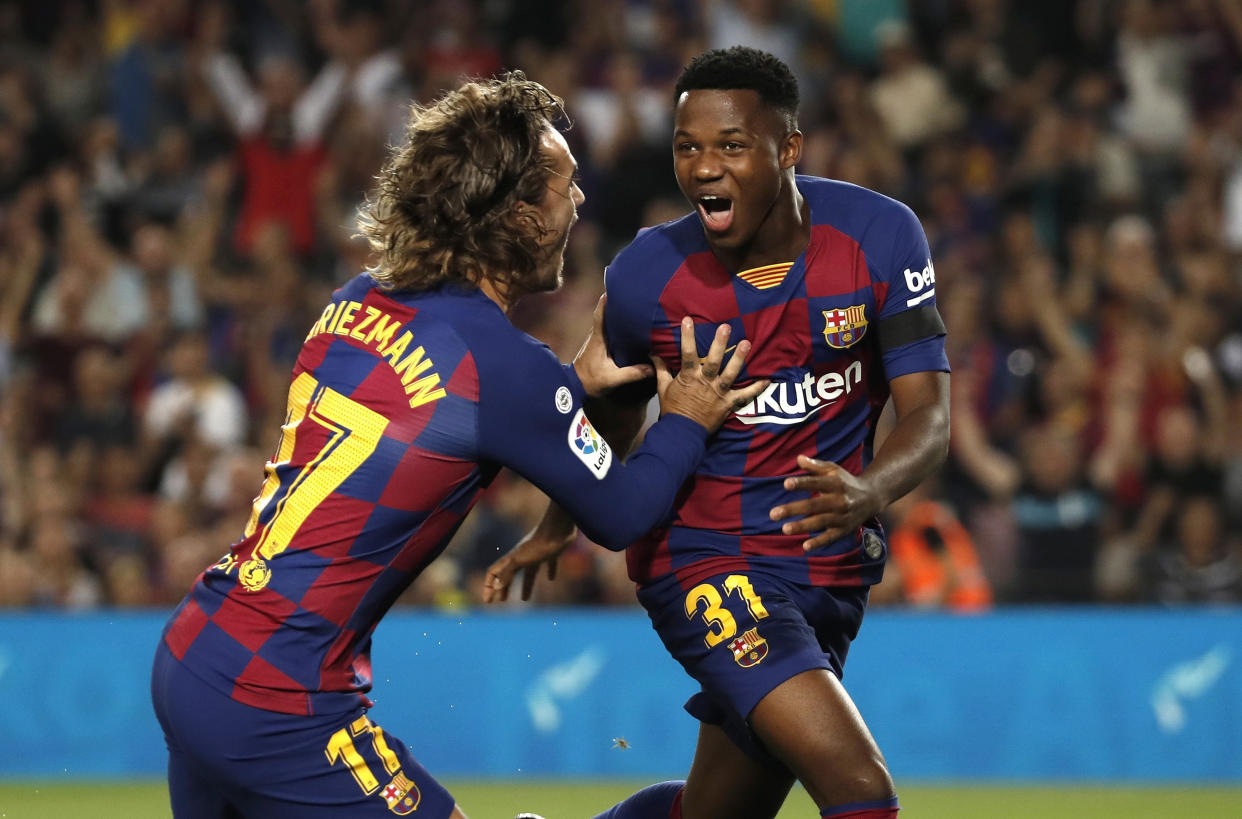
791, 402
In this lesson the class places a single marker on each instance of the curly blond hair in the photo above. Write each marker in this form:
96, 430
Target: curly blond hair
443, 206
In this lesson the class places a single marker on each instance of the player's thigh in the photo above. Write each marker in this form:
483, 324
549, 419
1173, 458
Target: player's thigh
350, 767
192, 795
726, 783
810, 723
199, 727
272, 765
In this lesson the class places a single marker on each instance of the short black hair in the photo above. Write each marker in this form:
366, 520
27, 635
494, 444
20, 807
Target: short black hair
740, 67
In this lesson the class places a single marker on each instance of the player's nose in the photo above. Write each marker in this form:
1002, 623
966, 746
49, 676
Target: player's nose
706, 167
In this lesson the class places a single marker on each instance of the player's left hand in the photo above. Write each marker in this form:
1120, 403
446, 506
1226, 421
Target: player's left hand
597, 371
537, 549
840, 502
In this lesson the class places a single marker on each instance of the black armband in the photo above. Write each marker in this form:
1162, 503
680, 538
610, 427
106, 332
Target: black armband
909, 326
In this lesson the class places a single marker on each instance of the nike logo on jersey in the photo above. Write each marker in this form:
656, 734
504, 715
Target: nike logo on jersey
791, 402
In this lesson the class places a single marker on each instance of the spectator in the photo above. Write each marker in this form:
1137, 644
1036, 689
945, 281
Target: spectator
148, 71
99, 415
280, 131
911, 95
1199, 565
170, 284
167, 180
626, 127
94, 294
767, 25
61, 577
195, 403
1152, 61
932, 559
17, 578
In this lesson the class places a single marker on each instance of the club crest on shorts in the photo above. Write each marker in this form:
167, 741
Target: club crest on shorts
844, 327
749, 649
402, 795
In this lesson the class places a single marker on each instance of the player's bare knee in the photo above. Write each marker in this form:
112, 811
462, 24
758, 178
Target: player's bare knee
865, 779
872, 781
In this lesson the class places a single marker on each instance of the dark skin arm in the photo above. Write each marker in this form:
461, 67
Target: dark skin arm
840, 502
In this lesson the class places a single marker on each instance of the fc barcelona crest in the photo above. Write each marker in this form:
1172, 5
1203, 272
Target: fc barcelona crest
749, 649
845, 326
402, 795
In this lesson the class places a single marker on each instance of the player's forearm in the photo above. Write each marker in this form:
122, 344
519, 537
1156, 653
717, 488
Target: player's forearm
916, 447
993, 470
639, 496
556, 524
618, 422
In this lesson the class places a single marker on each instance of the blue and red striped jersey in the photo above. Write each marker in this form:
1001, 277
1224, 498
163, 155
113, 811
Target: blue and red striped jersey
402, 408
830, 329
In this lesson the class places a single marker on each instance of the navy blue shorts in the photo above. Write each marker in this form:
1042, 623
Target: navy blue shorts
740, 635
228, 760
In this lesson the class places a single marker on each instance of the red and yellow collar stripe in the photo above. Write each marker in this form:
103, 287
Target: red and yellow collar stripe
768, 276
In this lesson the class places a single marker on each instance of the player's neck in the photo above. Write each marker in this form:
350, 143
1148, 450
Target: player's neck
781, 237
490, 290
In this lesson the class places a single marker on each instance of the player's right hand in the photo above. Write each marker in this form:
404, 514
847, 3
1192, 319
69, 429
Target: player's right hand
702, 390
596, 369
538, 548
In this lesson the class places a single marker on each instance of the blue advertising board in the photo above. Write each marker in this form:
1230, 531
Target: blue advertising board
1100, 695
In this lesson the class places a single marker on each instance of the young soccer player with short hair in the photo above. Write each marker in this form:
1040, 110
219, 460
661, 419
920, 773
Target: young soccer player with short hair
758, 579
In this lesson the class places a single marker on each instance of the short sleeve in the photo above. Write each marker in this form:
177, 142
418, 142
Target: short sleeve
627, 314
910, 330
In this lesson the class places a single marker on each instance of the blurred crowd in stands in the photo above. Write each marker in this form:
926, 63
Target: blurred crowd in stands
179, 178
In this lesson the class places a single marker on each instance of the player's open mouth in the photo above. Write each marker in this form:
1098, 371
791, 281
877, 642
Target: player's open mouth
716, 213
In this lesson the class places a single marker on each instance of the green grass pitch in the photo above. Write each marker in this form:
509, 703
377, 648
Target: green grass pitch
564, 800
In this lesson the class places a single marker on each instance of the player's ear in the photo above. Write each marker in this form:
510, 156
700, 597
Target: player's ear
528, 217
791, 149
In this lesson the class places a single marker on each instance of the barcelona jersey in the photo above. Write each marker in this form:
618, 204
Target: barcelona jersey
830, 329
403, 407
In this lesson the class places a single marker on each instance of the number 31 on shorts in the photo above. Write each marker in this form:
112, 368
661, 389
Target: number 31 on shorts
705, 601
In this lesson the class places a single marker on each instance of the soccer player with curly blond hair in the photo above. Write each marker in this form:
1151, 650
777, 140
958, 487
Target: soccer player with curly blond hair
410, 393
